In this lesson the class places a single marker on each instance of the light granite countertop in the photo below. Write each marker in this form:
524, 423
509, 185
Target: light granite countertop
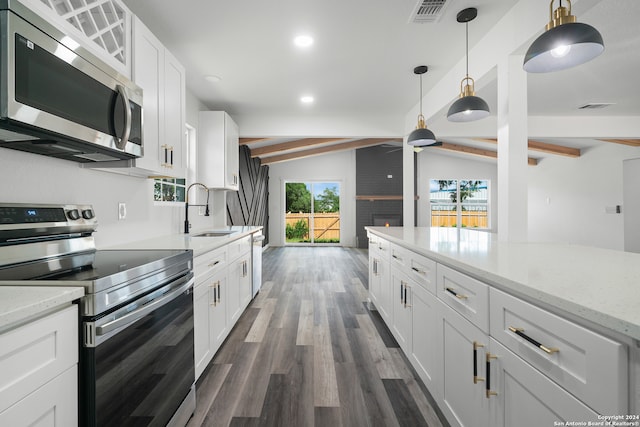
19, 304
199, 245
599, 286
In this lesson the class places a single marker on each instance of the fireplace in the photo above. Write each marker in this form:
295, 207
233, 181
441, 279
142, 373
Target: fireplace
386, 220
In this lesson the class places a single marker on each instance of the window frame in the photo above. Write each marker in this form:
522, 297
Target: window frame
459, 205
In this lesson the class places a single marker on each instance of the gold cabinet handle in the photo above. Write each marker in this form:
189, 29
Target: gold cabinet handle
488, 391
476, 378
520, 332
455, 294
213, 264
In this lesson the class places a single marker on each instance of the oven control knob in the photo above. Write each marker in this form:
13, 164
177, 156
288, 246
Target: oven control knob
87, 214
73, 214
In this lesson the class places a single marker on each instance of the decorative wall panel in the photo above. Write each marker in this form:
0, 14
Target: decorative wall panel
250, 204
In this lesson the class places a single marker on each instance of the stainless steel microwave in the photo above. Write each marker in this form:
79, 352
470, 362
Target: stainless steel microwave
57, 99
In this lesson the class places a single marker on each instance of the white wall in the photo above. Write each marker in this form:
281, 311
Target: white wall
338, 167
31, 178
578, 190
631, 204
568, 197
432, 165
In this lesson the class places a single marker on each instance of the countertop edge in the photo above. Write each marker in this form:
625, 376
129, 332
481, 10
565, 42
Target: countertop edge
553, 303
21, 304
199, 245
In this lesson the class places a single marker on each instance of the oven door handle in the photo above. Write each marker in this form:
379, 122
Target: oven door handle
145, 309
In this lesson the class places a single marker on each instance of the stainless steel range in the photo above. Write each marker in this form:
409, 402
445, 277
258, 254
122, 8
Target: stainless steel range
136, 355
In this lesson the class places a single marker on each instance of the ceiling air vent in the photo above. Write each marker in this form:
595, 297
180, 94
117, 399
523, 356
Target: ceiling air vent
595, 105
427, 11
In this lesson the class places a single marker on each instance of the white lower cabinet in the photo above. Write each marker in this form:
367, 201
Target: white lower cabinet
425, 347
245, 278
527, 398
201, 328
489, 358
222, 292
401, 295
219, 302
55, 404
590, 366
462, 391
39, 372
380, 277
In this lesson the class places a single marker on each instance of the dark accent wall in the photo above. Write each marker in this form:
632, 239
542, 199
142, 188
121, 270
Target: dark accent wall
250, 204
373, 165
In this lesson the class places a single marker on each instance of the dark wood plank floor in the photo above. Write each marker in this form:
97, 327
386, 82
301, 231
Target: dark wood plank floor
307, 352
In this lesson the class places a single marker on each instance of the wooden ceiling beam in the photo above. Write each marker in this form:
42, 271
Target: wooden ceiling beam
545, 147
292, 145
560, 150
625, 141
478, 151
361, 143
247, 141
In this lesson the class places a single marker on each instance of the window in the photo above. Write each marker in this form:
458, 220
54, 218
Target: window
169, 190
459, 203
312, 212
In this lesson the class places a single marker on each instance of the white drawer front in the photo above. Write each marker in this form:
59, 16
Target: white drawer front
239, 247
588, 365
399, 257
466, 295
35, 353
207, 264
54, 404
423, 271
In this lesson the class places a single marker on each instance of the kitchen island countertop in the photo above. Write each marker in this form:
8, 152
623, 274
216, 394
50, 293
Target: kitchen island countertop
595, 285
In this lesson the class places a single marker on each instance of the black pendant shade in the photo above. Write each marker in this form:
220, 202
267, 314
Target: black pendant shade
563, 47
565, 44
468, 107
421, 136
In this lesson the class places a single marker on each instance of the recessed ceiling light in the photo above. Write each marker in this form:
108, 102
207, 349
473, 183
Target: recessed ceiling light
212, 79
303, 41
307, 99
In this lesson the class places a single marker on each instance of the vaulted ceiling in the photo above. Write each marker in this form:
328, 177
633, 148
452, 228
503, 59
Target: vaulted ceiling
360, 71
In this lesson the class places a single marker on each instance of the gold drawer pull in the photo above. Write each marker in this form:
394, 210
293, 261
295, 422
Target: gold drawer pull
520, 332
213, 264
455, 294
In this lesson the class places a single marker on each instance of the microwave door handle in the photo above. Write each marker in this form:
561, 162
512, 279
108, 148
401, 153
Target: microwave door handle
122, 92
144, 310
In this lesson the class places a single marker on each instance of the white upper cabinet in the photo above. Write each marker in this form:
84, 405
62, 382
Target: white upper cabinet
103, 28
162, 79
218, 150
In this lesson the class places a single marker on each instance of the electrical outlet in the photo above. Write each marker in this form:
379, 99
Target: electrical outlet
122, 211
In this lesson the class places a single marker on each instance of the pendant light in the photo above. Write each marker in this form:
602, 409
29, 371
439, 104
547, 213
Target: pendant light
421, 136
468, 107
565, 43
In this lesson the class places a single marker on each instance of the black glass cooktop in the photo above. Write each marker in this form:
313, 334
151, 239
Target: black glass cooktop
93, 266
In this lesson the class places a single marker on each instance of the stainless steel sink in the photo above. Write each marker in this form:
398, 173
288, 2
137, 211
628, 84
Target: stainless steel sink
215, 233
